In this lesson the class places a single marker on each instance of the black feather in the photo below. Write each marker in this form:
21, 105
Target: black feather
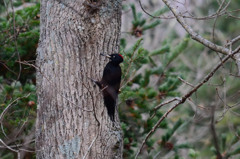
110, 83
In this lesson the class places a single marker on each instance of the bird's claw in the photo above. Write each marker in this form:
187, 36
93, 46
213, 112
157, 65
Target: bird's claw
95, 82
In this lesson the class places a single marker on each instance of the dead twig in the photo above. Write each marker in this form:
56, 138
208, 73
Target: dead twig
9, 105
233, 41
89, 148
187, 83
214, 134
194, 35
218, 12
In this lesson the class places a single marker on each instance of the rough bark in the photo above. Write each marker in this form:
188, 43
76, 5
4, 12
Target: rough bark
72, 120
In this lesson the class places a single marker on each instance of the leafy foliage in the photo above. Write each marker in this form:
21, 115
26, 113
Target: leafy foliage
19, 112
142, 91
140, 24
19, 43
19, 34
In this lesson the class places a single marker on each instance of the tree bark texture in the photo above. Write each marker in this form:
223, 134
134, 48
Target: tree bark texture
72, 120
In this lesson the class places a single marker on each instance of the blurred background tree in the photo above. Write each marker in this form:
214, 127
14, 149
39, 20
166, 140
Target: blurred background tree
160, 62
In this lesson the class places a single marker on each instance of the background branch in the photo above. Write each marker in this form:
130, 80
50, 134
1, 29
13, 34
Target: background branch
185, 97
193, 34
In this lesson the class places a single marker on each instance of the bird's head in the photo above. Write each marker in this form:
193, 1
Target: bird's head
115, 58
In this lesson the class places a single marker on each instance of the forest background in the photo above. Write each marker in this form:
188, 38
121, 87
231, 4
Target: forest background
162, 64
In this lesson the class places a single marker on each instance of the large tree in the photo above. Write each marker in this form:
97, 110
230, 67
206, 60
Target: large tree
72, 120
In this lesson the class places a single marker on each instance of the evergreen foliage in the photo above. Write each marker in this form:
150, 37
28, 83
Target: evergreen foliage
26, 34
140, 24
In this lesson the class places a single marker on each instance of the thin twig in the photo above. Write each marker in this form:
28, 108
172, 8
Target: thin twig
215, 139
224, 103
194, 35
212, 16
159, 17
129, 66
15, 40
167, 102
215, 20
162, 104
9, 105
21, 128
2, 63
19, 145
8, 146
89, 148
233, 41
187, 83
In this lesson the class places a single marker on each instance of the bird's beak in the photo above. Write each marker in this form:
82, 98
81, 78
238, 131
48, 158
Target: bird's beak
108, 56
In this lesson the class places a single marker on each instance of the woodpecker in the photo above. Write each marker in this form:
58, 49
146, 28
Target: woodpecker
110, 82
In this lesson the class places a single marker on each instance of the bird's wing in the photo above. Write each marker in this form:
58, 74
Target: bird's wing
112, 75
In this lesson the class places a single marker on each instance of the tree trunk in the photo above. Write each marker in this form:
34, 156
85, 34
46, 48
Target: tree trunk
72, 120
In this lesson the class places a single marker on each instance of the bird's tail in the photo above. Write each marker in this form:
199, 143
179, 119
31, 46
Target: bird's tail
110, 104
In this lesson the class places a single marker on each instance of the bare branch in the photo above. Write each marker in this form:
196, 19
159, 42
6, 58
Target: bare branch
193, 34
160, 17
215, 20
187, 83
19, 145
8, 146
186, 96
167, 102
9, 105
233, 40
215, 139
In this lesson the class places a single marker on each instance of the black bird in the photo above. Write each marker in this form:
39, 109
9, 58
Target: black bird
110, 83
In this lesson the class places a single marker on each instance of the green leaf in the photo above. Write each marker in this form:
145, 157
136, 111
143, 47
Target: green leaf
177, 125
151, 93
178, 50
134, 12
142, 92
182, 146
223, 139
8, 156
146, 78
123, 43
160, 12
192, 153
162, 50
157, 70
126, 141
235, 152
152, 25
170, 132
137, 44
142, 22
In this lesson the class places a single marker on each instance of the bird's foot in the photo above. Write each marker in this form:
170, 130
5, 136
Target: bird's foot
95, 82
